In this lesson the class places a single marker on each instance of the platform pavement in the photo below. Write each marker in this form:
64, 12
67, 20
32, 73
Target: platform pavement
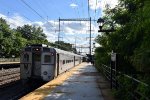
80, 83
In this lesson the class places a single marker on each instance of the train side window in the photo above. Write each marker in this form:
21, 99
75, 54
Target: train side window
47, 59
63, 61
26, 58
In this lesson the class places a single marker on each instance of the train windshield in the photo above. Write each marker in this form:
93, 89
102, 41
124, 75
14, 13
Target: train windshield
48, 59
37, 57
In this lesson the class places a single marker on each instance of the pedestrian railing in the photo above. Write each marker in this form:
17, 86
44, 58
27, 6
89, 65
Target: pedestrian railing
128, 85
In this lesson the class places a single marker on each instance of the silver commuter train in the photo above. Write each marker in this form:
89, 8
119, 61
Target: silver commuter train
45, 63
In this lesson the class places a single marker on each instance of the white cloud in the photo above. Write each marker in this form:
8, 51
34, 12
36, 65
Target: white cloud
102, 3
15, 20
73, 5
3, 16
68, 29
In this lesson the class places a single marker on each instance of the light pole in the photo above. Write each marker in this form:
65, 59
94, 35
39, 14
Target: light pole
101, 23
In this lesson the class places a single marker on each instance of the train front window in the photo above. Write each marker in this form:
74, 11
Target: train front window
47, 59
26, 58
37, 57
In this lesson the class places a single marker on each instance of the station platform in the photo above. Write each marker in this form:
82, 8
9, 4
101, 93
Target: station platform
79, 83
9, 63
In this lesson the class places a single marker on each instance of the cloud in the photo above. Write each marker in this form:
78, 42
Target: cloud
101, 4
73, 5
15, 20
69, 30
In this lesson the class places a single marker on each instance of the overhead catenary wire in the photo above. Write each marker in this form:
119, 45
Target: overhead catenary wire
16, 11
82, 9
41, 8
33, 9
95, 10
36, 12
76, 9
60, 14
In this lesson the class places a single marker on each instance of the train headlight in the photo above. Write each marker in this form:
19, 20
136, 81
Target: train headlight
45, 73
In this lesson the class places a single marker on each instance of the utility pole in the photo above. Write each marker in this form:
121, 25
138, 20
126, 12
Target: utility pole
59, 31
88, 8
75, 42
90, 37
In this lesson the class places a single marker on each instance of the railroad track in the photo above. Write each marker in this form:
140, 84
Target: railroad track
9, 75
17, 90
11, 87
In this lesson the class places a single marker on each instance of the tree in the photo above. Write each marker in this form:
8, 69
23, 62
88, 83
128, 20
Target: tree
33, 34
64, 46
131, 40
13, 40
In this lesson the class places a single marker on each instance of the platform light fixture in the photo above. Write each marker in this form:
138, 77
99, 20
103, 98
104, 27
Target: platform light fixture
101, 22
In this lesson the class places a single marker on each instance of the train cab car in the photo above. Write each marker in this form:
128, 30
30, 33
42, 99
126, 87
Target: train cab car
37, 62
44, 63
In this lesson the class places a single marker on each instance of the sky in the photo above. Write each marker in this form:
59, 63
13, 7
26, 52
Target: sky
45, 13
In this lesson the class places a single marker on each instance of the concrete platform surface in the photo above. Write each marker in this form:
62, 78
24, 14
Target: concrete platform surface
80, 83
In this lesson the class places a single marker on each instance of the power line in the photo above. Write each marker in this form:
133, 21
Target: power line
77, 9
57, 9
39, 5
82, 8
36, 12
95, 10
16, 11
32, 9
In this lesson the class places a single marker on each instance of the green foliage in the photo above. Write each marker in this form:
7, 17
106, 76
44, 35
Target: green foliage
145, 90
131, 38
131, 41
126, 88
64, 46
33, 34
13, 40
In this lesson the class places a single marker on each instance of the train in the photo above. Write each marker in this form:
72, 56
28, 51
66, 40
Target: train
45, 63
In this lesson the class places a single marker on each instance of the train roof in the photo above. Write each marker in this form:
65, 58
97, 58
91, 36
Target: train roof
55, 49
65, 52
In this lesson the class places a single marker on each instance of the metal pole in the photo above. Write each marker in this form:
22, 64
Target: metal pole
111, 81
59, 31
116, 65
90, 37
88, 8
75, 42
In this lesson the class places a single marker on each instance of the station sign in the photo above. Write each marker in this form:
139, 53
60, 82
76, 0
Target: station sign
113, 56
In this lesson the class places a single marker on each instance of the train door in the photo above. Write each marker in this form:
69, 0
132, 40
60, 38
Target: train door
57, 64
25, 65
36, 64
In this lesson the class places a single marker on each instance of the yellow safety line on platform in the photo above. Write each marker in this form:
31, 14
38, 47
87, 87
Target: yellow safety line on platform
43, 91
9, 62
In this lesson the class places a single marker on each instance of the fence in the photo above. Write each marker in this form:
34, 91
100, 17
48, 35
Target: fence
9, 59
125, 83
